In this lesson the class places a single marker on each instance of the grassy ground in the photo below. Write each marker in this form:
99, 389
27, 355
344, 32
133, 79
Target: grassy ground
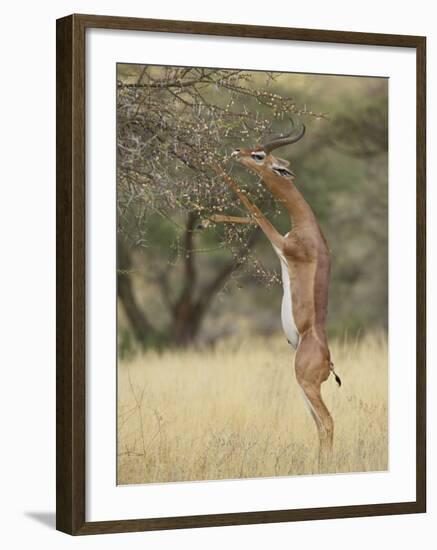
236, 411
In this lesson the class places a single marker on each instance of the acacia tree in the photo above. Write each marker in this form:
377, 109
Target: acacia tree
171, 123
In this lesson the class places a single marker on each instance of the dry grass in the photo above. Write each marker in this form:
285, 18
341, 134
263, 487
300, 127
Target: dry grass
236, 411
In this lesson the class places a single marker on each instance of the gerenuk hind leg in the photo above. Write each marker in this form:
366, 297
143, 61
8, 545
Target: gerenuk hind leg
312, 368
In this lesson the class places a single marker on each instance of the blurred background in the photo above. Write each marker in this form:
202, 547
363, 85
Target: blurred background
183, 282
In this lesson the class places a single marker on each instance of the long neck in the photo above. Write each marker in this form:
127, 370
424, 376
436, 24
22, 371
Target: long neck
299, 210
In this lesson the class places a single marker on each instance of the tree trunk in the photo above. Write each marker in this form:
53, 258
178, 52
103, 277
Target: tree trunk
138, 321
187, 320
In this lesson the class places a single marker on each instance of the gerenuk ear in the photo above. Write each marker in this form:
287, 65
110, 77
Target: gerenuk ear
282, 171
283, 161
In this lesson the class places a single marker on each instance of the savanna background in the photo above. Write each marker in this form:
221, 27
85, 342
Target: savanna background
206, 385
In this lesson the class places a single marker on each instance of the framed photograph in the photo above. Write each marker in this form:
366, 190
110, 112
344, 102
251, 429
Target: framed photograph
240, 274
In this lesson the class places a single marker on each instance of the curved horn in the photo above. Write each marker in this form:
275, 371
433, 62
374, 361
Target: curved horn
284, 139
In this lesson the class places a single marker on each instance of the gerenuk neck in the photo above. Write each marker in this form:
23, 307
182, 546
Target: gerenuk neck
287, 193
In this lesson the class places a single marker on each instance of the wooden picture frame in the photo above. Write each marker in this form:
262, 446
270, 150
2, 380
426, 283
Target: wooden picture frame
71, 283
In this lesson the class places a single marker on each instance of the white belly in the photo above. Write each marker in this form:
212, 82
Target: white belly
288, 324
